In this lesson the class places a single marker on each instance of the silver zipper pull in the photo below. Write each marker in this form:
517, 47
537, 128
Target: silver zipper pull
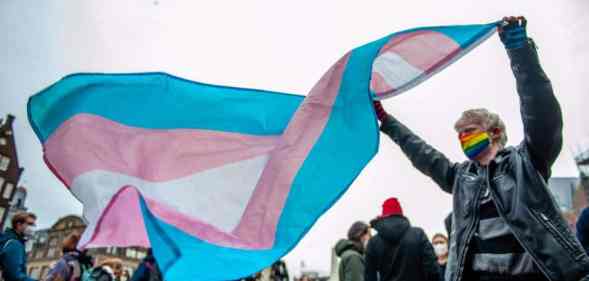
543, 216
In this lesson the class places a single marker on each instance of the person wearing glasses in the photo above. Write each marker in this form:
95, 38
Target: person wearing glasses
13, 258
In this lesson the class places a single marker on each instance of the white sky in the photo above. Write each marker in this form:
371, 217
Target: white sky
282, 46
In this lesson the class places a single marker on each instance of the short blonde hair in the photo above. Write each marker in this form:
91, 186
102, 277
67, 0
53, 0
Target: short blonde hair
485, 118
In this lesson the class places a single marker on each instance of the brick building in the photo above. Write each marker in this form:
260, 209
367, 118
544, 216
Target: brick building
10, 171
17, 205
46, 248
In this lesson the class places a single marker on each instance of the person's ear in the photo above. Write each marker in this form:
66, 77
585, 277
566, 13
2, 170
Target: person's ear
496, 134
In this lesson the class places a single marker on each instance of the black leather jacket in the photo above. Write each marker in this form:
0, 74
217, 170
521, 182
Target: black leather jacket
516, 179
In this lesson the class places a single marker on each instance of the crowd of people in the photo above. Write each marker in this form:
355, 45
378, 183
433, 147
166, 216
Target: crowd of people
74, 264
504, 224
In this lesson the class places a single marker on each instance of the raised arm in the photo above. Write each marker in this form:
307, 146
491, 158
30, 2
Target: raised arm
541, 113
424, 157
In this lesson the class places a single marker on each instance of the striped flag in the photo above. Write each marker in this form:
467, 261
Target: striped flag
223, 181
411, 57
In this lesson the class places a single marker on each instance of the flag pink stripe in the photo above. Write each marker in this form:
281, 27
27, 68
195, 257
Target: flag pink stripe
263, 212
126, 228
123, 220
378, 84
257, 227
425, 50
89, 142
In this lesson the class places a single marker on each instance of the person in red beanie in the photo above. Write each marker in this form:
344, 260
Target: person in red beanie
399, 251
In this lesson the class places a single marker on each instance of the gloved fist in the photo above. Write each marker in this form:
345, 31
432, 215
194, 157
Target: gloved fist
380, 112
512, 32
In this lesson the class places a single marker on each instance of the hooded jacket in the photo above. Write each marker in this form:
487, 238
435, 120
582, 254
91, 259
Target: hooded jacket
400, 252
352, 260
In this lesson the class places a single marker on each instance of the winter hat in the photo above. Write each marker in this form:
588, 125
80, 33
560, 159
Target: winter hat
391, 207
357, 229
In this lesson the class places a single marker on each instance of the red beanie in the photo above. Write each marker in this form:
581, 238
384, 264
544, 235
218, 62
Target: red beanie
391, 207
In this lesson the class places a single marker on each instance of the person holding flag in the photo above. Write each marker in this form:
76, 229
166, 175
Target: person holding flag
505, 224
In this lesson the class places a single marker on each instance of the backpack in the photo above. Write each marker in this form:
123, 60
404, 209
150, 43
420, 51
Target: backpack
96, 274
86, 271
154, 272
76, 269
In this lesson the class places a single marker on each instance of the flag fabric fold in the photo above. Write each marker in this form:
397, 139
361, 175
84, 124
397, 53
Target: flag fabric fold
223, 181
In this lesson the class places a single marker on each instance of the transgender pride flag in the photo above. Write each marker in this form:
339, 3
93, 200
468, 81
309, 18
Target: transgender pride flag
223, 181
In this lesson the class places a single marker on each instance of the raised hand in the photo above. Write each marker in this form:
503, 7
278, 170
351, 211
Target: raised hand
380, 112
512, 32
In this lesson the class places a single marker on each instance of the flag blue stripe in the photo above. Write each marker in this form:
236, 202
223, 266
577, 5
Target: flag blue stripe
466, 35
335, 161
161, 101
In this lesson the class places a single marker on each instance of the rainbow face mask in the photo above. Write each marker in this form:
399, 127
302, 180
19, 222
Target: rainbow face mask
473, 144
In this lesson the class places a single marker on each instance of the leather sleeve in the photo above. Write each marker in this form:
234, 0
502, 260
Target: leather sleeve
541, 113
583, 229
424, 157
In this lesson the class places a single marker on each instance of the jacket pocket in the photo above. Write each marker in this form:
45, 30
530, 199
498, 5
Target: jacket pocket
576, 253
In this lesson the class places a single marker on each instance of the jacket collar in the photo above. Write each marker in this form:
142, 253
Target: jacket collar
11, 234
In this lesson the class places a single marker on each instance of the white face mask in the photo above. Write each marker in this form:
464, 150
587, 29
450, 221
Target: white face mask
29, 231
441, 249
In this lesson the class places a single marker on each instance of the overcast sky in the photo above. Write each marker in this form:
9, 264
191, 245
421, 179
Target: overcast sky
287, 46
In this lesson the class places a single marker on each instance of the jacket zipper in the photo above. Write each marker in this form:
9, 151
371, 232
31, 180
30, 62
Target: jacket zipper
500, 212
469, 235
548, 224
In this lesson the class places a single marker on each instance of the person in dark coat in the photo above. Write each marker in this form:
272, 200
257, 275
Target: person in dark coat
399, 252
351, 252
583, 229
505, 223
148, 270
13, 258
448, 225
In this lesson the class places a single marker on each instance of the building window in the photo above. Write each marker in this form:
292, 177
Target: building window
53, 242
2, 180
111, 251
131, 253
4, 163
35, 273
3, 141
39, 254
2, 211
40, 238
44, 272
51, 252
8, 191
